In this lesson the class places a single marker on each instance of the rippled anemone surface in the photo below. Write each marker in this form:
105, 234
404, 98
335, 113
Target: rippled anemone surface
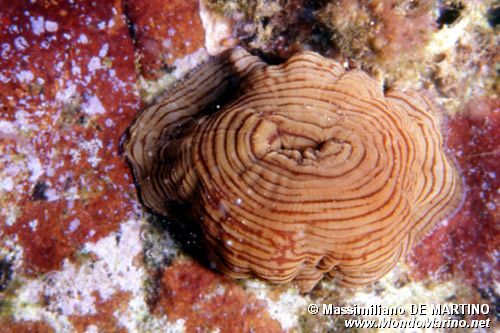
305, 170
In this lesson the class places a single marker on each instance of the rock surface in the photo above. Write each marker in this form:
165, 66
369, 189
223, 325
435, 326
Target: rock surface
77, 251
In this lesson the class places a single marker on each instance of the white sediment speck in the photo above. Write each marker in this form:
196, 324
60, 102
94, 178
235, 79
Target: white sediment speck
4, 78
5, 50
20, 43
167, 43
104, 50
82, 39
91, 329
6, 184
7, 128
94, 64
11, 216
25, 76
51, 26
65, 95
109, 122
35, 167
75, 155
51, 195
491, 206
33, 224
76, 70
59, 66
37, 25
73, 225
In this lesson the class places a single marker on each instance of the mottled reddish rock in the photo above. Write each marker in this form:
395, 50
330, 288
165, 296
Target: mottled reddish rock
277, 30
10, 326
370, 30
207, 301
467, 245
104, 318
67, 93
389, 29
400, 27
164, 31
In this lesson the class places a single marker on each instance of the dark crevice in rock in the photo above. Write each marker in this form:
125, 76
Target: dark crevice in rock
5, 273
449, 13
132, 30
39, 192
493, 16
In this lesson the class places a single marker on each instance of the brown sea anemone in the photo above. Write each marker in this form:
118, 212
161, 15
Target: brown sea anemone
305, 170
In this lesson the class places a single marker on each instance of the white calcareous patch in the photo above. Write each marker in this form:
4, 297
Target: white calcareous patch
7, 129
286, 309
65, 95
11, 216
93, 106
187, 63
51, 195
37, 25
92, 147
72, 290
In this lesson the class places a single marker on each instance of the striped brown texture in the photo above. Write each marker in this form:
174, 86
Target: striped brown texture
308, 170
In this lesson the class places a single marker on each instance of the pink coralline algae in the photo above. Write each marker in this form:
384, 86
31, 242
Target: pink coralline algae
186, 286
468, 245
165, 30
67, 92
